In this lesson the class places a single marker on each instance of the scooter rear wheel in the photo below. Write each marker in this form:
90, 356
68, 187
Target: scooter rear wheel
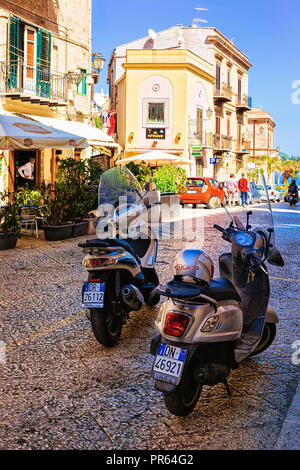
267, 339
106, 326
183, 400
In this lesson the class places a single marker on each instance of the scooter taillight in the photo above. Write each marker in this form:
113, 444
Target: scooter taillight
176, 324
272, 193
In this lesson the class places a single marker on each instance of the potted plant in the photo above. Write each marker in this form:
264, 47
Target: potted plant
10, 228
57, 222
81, 177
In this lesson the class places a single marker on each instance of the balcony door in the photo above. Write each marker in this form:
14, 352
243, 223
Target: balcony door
29, 72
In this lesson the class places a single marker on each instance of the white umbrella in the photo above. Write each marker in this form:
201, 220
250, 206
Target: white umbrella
155, 157
17, 133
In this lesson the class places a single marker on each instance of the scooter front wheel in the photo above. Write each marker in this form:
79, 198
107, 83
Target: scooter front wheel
106, 326
267, 339
183, 400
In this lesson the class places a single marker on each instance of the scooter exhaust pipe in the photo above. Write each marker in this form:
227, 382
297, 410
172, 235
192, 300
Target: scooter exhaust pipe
132, 297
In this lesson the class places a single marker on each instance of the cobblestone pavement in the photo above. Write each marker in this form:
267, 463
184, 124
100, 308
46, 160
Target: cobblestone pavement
60, 389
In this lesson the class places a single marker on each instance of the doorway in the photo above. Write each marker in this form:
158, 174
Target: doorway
21, 157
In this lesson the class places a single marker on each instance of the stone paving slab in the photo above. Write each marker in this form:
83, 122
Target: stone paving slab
60, 389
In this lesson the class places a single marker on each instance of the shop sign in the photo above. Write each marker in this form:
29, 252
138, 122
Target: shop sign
157, 134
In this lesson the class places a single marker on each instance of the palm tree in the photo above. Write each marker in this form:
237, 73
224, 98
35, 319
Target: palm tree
272, 164
290, 168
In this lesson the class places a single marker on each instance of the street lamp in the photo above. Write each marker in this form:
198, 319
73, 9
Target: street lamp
98, 61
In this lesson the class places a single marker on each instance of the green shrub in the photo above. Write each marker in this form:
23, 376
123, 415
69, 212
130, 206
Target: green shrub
170, 179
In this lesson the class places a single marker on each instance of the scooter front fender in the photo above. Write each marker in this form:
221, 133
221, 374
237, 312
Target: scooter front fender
271, 316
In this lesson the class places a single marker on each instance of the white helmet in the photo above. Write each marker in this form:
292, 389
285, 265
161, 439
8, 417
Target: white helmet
193, 266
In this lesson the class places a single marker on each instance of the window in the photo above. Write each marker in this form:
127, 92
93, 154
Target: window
81, 87
156, 113
228, 125
29, 58
239, 90
218, 77
228, 77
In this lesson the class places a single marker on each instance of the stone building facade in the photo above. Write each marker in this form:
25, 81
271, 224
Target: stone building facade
45, 70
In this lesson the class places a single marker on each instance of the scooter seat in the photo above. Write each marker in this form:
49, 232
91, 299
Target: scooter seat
110, 242
221, 289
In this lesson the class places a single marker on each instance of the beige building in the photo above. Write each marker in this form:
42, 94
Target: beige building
208, 112
45, 70
260, 130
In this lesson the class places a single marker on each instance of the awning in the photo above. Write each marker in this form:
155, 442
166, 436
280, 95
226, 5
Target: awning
93, 135
19, 133
154, 157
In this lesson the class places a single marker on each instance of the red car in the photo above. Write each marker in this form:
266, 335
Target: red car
202, 190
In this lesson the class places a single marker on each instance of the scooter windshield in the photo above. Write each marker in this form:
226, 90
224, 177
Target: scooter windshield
118, 186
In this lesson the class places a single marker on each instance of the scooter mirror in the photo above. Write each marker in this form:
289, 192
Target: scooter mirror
275, 257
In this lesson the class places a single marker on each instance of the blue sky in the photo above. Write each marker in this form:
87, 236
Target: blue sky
268, 32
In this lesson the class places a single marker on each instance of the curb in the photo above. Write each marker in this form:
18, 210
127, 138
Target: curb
289, 438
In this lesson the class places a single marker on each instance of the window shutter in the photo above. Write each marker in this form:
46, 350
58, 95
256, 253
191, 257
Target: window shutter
13, 52
43, 61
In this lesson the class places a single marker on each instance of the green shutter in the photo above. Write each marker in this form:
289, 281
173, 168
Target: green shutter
13, 53
43, 61
82, 87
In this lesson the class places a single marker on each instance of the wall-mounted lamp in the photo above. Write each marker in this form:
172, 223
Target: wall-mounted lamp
209, 113
130, 137
98, 61
178, 137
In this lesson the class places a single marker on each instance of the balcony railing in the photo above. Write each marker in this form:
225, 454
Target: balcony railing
244, 103
224, 93
33, 82
223, 143
243, 147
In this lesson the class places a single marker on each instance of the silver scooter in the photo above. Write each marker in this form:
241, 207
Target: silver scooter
121, 260
208, 326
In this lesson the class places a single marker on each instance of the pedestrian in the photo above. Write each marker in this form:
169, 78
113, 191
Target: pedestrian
27, 171
231, 187
244, 188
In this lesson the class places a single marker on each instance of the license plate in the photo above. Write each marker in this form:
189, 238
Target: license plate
191, 192
93, 294
169, 363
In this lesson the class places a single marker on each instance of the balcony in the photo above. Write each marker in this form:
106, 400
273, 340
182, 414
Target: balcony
244, 103
222, 144
223, 95
243, 148
20, 82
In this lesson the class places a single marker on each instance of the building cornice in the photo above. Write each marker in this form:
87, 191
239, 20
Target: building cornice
223, 44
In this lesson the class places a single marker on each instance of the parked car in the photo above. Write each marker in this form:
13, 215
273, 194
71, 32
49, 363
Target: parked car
254, 195
203, 190
237, 196
274, 194
282, 190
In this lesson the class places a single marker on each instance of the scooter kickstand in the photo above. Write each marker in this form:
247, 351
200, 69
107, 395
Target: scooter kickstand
227, 387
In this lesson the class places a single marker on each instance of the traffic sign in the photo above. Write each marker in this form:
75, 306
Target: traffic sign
213, 161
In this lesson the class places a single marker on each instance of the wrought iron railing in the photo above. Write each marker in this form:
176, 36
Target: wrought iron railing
224, 91
20, 78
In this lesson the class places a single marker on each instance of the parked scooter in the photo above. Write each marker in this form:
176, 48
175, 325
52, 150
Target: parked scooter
208, 326
121, 261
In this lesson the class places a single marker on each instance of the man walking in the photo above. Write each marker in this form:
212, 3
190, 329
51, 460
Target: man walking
244, 188
231, 187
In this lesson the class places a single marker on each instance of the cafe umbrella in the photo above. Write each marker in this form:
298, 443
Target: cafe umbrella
18, 133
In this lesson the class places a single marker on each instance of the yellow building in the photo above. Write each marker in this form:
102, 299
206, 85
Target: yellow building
192, 85
158, 101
